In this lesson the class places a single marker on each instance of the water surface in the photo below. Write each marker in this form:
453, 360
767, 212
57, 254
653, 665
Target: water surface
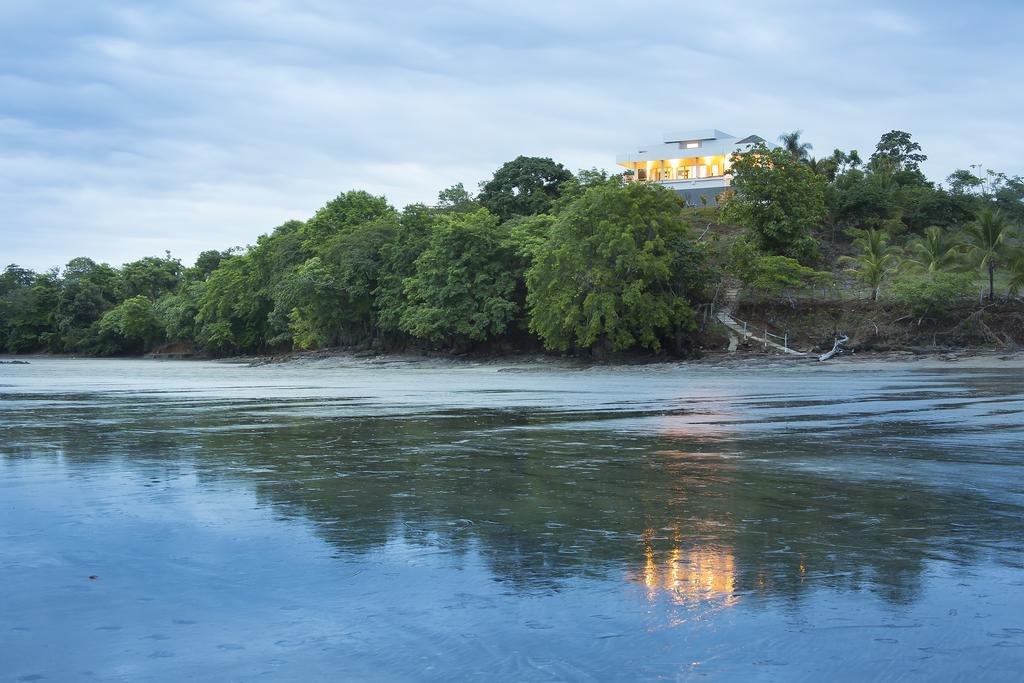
165, 521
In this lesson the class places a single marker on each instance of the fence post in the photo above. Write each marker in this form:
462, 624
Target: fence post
766, 338
785, 342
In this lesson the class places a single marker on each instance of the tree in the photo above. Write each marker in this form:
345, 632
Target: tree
342, 213
1015, 265
931, 292
617, 270
985, 240
524, 186
1007, 194
876, 261
398, 263
962, 181
17, 305
87, 290
456, 198
131, 326
151, 276
772, 274
206, 263
15, 277
234, 307
797, 149
779, 199
898, 153
329, 296
857, 198
463, 285
177, 312
936, 251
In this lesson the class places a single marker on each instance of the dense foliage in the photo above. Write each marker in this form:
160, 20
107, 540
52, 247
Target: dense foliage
780, 199
543, 257
877, 219
618, 269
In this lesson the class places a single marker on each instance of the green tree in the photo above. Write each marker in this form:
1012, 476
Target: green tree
234, 307
617, 270
925, 292
456, 198
899, 155
343, 213
936, 251
463, 284
398, 263
986, 242
177, 312
206, 263
151, 276
792, 144
779, 200
1015, 266
1006, 194
87, 291
131, 327
962, 181
769, 273
524, 186
875, 263
329, 296
16, 303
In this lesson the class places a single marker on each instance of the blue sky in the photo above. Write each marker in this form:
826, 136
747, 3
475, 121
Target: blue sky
128, 128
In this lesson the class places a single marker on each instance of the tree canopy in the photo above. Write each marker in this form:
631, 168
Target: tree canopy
779, 199
615, 271
525, 186
584, 263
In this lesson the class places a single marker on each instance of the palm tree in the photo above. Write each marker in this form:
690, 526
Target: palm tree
1015, 264
791, 142
876, 262
934, 252
985, 240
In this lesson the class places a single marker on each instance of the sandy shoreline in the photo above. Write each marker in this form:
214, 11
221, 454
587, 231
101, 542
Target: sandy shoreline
973, 358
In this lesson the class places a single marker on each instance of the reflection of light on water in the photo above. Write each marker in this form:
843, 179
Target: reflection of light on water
713, 420
699, 574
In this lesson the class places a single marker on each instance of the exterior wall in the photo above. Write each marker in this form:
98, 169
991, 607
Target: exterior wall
692, 195
663, 162
693, 190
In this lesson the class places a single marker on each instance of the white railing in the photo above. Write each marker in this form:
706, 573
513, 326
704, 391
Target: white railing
784, 338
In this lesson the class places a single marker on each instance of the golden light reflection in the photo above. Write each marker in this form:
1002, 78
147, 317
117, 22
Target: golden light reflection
688, 576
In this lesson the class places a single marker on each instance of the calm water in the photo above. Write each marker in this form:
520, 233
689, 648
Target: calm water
390, 523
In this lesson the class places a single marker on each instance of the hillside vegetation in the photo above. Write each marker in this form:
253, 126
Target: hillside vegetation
585, 263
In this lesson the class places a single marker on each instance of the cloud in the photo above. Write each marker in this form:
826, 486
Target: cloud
131, 127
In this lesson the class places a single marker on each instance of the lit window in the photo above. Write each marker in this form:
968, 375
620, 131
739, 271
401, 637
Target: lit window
703, 171
714, 169
693, 144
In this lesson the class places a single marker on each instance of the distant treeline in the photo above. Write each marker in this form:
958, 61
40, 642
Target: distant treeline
538, 257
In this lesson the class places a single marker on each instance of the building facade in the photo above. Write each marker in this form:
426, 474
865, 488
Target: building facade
694, 163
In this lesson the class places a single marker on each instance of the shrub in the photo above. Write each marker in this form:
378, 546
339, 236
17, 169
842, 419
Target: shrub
930, 293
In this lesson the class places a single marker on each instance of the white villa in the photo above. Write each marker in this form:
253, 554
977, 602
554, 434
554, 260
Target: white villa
694, 163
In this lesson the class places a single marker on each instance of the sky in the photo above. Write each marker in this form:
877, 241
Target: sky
131, 128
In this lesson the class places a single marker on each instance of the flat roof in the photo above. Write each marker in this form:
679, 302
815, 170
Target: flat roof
708, 134
713, 142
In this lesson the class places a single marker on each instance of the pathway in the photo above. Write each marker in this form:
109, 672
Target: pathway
725, 317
